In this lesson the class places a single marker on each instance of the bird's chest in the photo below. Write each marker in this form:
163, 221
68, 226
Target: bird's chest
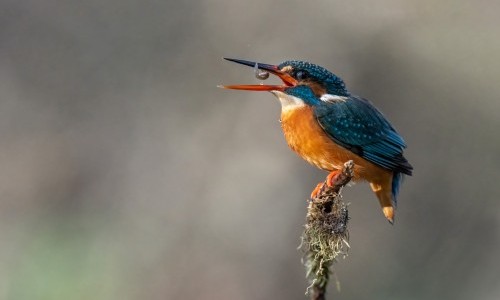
304, 136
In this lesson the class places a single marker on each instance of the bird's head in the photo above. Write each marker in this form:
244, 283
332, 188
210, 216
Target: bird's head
303, 82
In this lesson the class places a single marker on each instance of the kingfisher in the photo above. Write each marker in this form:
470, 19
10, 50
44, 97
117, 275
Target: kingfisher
327, 125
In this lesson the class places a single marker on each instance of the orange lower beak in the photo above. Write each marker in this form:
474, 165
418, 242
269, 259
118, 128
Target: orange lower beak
285, 77
254, 87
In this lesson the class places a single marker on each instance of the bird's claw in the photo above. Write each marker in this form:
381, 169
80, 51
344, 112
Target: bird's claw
317, 190
329, 182
332, 178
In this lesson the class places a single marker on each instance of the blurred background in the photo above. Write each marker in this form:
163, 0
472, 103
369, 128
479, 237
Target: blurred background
126, 174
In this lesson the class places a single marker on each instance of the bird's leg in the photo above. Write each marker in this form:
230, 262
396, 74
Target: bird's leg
317, 190
332, 177
330, 180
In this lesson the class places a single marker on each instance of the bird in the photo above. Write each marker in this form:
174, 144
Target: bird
326, 125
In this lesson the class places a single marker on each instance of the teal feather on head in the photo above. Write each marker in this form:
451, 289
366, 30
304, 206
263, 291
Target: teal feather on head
333, 84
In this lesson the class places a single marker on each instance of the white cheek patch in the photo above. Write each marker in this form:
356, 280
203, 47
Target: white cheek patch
332, 98
287, 101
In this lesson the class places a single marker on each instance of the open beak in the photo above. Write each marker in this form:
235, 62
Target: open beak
285, 77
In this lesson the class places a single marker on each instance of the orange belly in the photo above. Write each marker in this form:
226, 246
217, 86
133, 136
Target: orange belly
304, 136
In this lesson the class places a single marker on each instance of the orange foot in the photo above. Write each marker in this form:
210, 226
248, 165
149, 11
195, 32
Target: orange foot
330, 180
317, 190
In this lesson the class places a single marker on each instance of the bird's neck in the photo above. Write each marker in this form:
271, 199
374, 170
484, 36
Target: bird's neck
289, 103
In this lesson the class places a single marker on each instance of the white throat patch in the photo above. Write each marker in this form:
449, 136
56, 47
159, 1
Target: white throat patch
287, 101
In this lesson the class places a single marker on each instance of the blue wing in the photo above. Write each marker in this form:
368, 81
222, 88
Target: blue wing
358, 126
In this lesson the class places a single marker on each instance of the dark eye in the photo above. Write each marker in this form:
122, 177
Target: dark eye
301, 75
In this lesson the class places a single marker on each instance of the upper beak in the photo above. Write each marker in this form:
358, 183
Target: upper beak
285, 77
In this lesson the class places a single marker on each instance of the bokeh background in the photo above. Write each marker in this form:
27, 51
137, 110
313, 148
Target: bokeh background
126, 174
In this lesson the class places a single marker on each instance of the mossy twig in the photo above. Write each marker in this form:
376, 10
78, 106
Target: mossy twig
325, 236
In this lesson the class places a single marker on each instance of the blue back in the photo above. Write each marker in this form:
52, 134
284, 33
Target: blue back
358, 126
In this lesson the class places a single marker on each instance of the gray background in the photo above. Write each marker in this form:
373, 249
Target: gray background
126, 174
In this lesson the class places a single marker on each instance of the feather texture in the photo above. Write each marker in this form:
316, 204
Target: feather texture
358, 126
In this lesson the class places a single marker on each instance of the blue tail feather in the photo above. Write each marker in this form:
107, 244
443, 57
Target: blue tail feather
397, 178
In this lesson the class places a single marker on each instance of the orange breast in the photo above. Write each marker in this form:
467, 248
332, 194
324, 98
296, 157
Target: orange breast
304, 135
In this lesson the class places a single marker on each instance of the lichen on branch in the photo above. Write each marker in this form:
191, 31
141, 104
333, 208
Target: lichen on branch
325, 237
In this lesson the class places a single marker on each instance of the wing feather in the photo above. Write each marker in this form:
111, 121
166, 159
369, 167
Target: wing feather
358, 126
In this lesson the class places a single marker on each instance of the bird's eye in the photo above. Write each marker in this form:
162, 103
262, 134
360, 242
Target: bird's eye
301, 75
